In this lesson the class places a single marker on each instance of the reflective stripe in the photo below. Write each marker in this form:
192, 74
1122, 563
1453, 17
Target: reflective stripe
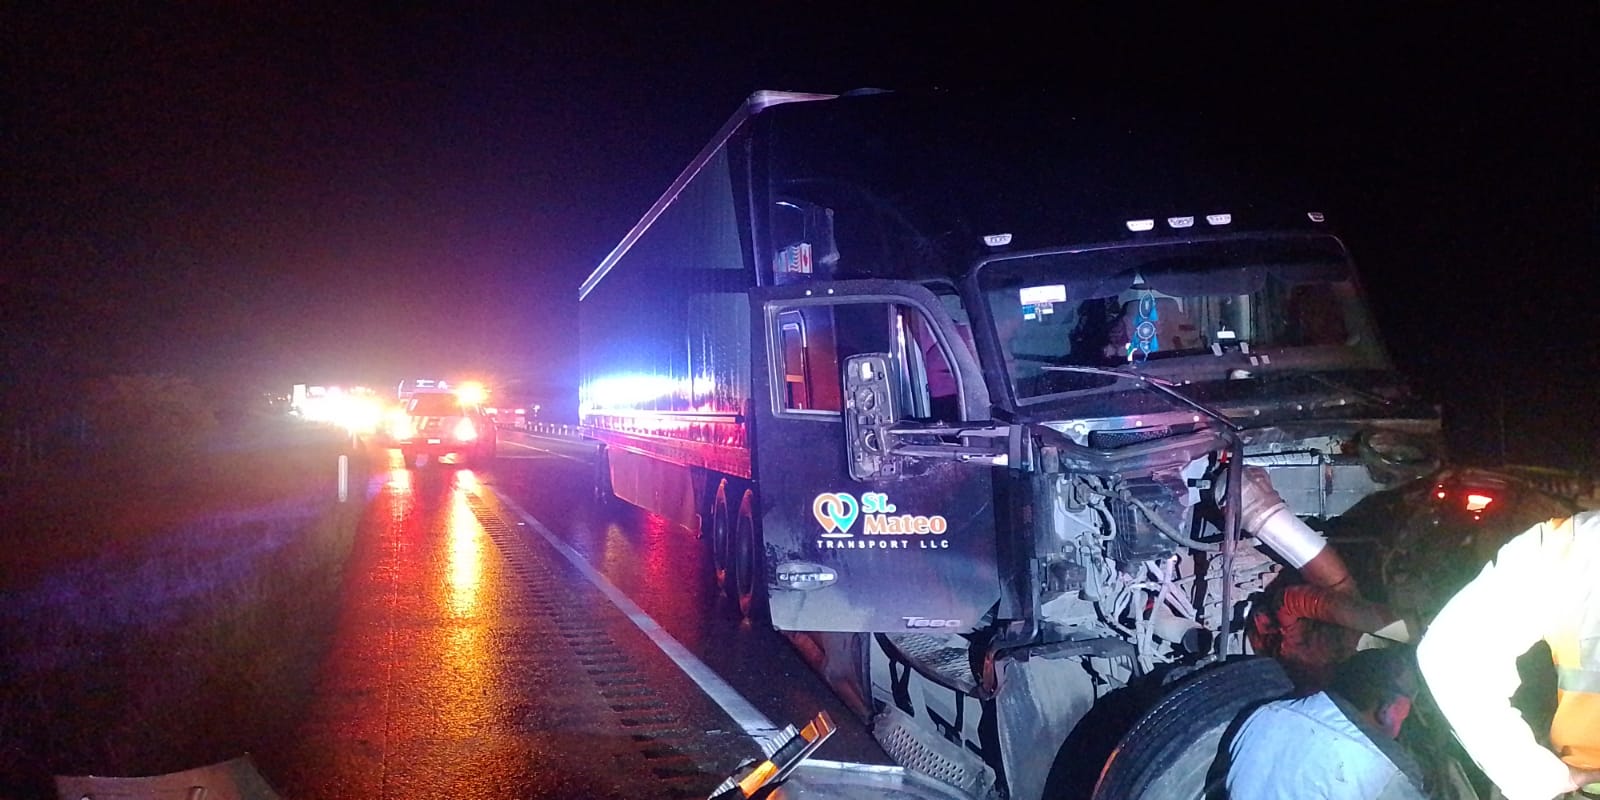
1575, 679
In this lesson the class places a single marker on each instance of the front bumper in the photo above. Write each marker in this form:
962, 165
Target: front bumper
437, 445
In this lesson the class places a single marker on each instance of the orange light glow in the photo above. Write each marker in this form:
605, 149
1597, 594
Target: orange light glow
466, 556
399, 475
1478, 502
461, 648
472, 393
758, 777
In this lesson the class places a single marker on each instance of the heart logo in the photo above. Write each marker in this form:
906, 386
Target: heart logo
835, 513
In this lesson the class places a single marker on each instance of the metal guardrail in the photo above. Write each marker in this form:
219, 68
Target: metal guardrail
555, 429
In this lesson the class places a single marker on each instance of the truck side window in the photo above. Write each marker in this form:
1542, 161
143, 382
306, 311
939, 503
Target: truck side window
812, 343
796, 378
926, 373
803, 241
809, 360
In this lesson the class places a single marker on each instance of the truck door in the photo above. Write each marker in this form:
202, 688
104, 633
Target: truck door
913, 551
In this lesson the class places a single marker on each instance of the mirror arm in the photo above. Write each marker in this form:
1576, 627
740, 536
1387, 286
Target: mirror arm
994, 452
986, 431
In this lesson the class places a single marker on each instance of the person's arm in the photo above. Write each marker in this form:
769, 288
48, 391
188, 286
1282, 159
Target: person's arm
1468, 658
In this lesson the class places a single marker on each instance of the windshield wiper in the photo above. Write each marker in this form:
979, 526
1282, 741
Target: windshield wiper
1159, 387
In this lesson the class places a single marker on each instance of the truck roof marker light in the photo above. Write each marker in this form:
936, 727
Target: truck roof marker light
1140, 225
1316, 216
1180, 222
1219, 219
997, 239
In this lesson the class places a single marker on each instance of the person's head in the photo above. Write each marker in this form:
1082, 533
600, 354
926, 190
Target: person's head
1380, 683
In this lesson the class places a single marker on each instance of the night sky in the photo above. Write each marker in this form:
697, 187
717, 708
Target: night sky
295, 194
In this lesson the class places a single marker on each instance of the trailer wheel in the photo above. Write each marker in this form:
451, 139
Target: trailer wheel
720, 533
1170, 752
749, 583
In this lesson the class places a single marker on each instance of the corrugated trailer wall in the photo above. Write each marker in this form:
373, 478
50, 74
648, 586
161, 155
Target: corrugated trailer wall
665, 348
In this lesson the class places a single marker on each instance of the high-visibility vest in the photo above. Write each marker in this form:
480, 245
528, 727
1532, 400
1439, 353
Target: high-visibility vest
1575, 643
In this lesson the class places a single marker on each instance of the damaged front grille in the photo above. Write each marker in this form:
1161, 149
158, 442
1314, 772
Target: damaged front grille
1111, 440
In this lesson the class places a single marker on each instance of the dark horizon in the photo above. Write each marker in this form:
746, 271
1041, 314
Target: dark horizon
265, 195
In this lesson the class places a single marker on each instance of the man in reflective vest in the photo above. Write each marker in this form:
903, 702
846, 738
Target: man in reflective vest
1543, 584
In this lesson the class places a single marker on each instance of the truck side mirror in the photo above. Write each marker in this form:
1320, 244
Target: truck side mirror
869, 411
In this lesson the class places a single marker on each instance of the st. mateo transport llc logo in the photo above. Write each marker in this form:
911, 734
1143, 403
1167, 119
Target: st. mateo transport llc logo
881, 528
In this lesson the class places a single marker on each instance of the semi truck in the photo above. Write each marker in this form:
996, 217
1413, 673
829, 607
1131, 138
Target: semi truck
1005, 416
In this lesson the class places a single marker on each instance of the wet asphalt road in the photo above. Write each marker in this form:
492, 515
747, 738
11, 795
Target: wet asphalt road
473, 658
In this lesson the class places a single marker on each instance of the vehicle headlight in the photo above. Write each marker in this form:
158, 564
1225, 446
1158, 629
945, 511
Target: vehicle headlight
466, 431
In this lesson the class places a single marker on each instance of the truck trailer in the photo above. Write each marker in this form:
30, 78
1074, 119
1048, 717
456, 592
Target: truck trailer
1008, 416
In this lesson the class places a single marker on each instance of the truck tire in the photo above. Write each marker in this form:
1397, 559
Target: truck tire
1170, 752
717, 539
748, 562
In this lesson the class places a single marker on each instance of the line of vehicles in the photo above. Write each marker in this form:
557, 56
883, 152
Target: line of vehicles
1008, 420
427, 419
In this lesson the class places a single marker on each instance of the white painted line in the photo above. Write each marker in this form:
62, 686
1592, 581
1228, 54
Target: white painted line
753, 722
851, 766
543, 451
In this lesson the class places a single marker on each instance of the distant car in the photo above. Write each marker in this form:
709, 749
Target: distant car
441, 425
509, 413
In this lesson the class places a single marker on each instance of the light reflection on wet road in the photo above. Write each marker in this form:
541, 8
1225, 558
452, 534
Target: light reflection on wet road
665, 569
471, 660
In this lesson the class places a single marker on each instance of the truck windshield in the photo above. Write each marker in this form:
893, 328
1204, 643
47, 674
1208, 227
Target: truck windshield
1190, 310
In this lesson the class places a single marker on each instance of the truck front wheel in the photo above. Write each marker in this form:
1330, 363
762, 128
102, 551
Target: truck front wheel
1171, 752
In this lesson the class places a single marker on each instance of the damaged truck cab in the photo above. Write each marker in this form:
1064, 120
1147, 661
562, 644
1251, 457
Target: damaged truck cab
1007, 417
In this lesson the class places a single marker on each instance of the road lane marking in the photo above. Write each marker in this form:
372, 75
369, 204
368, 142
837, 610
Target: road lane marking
751, 721
527, 446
